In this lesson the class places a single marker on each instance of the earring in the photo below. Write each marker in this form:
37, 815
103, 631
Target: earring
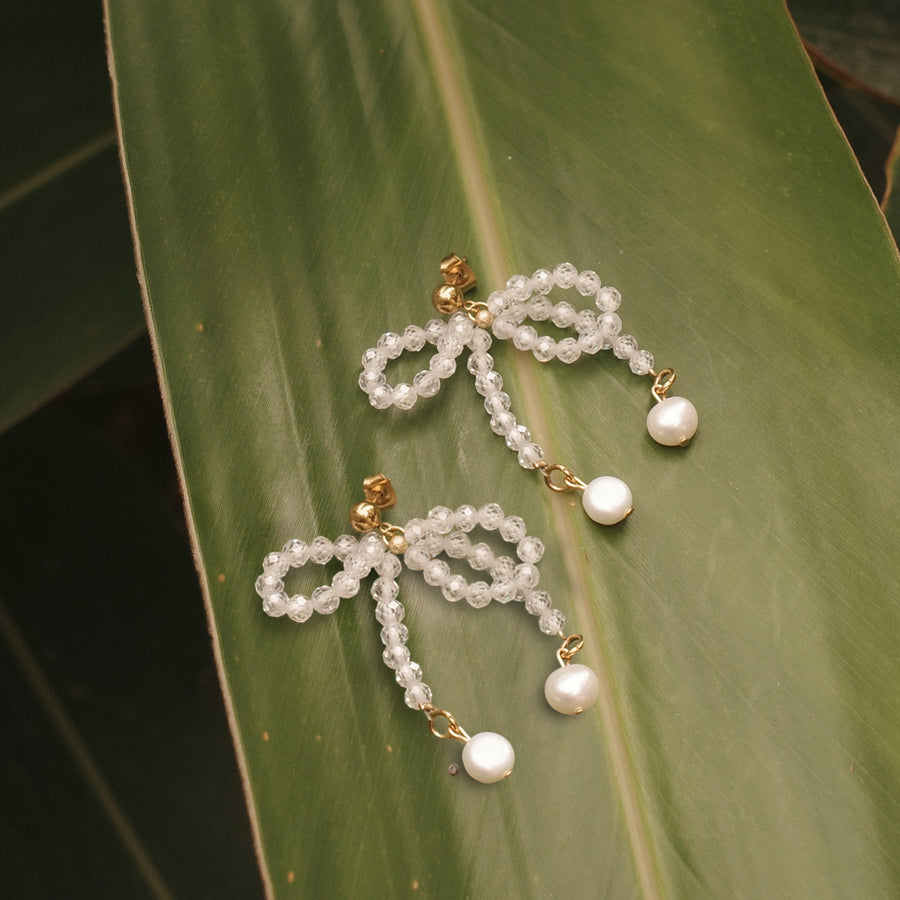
570, 689
672, 421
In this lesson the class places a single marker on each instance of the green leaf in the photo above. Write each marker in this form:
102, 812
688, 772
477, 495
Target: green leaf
295, 176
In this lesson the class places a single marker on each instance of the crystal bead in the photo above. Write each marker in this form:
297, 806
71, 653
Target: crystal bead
391, 344
513, 529
529, 455
345, 585
433, 329
343, 546
518, 288
466, 517
372, 549
641, 363
268, 583
530, 549
541, 281
385, 589
417, 695
455, 588
416, 558
540, 309
299, 608
461, 327
503, 422
395, 633
356, 565
525, 337
436, 572
496, 302
275, 604
625, 346
405, 396
504, 567
564, 315
449, 345
409, 674
415, 530
608, 299
590, 342
390, 566
374, 358
325, 600
552, 622
488, 383
478, 594
296, 552
457, 545
275, 564
565, 274
545, 349
609, 324
381, 396
480, 340
480, 363
442, 366
441, 519
526, 576
568, 350
369, 379
517, 437
413, 338
426, 383
490, 516
395, 656
504, 590
432, 543
481, 557
586, 321
321, 550
389, 612
588, 283
538, 603
504, 327
497, 403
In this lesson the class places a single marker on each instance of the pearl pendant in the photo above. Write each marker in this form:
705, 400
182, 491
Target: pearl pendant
488, 757
607, 500
572, 689
672, 422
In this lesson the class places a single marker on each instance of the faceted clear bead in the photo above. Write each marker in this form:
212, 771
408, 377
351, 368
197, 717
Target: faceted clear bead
449, 344
625, 346
432, 543
590, 342
518, 437
540, 309
417, 695
391, 344
296, 552
457, 545
497, 302
641, 363
504, 590
504, 327
369, 379
479, 594
389, 612
588, 283
268, 583
372, 549
374, 358
344, 545
276, 564
490, 516
503, 422
381, 396
345, 585
385, 589
479, 363
530, 549
538, 603
433, 329
405, 396
441, 519
610, 325
504, 567
409, 674
321, 550
518, 288
568, 350
426, 383
527, 576
481, 557
564, 315
356, 565
525, 337
529, 455
389, 566
565, 274
513, 529
608, 299
455, 588
586, 321
275, 604
466, 517
497, 403
461, 327
395, 655
436, 572
413, 338
299, 608
395, 633
545, 349
416, 529
542, 281
325, 600
552, 622
488, 383
442, 366
480, 340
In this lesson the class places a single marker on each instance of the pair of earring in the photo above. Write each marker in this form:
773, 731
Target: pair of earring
570, 689
672, 421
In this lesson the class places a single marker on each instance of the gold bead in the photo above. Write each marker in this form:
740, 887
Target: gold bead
447, 299
397, 544
482, 317
364, 517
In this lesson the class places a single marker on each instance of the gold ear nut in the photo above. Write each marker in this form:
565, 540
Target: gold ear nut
378, 489
456, 271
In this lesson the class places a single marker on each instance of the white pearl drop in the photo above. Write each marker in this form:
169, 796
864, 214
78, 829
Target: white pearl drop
607, 500
488, 757
572, 689
672, 422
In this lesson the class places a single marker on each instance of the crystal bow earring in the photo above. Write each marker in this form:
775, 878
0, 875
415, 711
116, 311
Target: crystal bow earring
672, 421
569, 689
